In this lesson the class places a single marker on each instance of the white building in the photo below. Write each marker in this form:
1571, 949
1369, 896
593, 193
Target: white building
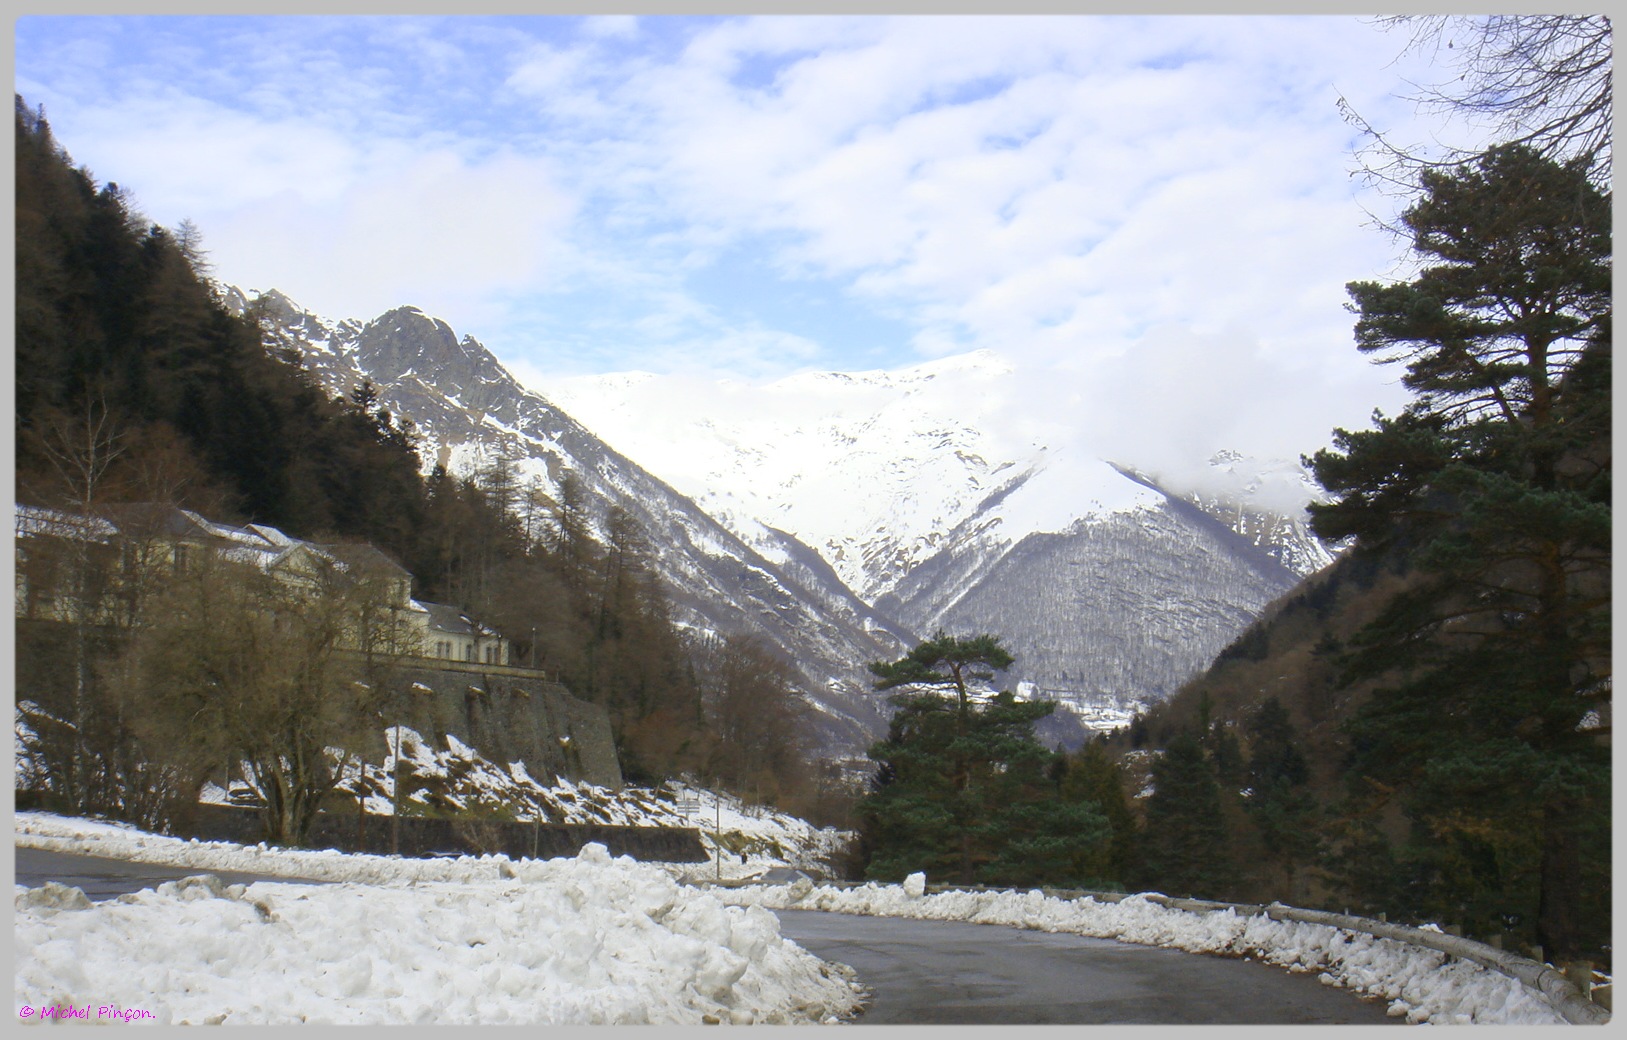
73, 567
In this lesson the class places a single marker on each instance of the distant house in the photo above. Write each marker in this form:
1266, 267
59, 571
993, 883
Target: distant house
450, 634
48, 587
88, 568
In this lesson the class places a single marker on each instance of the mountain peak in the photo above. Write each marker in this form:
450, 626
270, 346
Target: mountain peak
844, 511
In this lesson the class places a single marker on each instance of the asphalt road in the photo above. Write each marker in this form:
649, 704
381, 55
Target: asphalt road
101, 878
944, 972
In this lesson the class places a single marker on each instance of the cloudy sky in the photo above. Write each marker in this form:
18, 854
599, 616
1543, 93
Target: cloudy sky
1154, 218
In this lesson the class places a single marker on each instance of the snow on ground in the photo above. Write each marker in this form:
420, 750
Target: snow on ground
459, 780
756, 838
584, 940
1421, 984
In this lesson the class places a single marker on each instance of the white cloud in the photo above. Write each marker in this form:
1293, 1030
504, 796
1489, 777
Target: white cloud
1053, 188
184, 155
611, 25
427, 229
1175, 397
548, 69
1052, 194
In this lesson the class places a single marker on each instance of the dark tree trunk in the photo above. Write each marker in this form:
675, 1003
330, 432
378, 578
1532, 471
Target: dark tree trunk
1558, 925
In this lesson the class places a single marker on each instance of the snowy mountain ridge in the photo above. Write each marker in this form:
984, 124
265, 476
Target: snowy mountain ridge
872, 469
939, 502
470, 411
845, 516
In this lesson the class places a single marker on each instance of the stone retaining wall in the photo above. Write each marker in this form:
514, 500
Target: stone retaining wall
420, 836
508, 715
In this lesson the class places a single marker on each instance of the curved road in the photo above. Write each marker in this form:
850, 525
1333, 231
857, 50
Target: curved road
942, 972
948, 972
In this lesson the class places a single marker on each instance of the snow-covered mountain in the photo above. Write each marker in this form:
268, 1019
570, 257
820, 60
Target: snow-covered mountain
846, 515
470, 410
1110, 586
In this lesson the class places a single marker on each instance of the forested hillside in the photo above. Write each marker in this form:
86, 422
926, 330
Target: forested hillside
1423, 729
135, 383
116, 328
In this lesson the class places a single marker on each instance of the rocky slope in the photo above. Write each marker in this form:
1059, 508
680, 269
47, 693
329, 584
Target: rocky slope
470, 410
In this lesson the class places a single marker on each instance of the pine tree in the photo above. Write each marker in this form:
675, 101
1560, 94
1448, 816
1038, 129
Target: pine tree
963, 788
1092, 776
1185, 840
1492, 669
945, 662
1278, 801
967, 796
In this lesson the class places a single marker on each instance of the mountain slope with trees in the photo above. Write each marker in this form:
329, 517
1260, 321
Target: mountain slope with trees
1447, 683
137, 382
473, 418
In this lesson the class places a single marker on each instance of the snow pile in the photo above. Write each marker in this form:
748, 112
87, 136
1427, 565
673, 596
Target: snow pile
515, 910
1421, 984
123, 841
587, 940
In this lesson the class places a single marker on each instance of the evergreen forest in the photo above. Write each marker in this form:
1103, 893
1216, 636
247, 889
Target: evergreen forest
1423, 729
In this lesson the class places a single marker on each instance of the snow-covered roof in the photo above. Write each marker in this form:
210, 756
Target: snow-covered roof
270, 534
40, 521
363, 557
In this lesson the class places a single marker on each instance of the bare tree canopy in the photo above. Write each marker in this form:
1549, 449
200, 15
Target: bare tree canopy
1541, 80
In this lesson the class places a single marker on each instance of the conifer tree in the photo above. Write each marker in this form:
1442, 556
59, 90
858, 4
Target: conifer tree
1185, 841
1092, 776
963, 788
1492, 669
1278, 801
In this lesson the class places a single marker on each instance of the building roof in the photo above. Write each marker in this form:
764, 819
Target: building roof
257, 545
364, 557
37, 521
451, 620
152, 519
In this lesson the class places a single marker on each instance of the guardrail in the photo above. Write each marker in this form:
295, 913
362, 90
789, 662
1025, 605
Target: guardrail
1556, 989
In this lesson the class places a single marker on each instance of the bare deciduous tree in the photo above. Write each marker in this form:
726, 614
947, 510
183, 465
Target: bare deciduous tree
1543, 80
755, 714
266, 673
81, 448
